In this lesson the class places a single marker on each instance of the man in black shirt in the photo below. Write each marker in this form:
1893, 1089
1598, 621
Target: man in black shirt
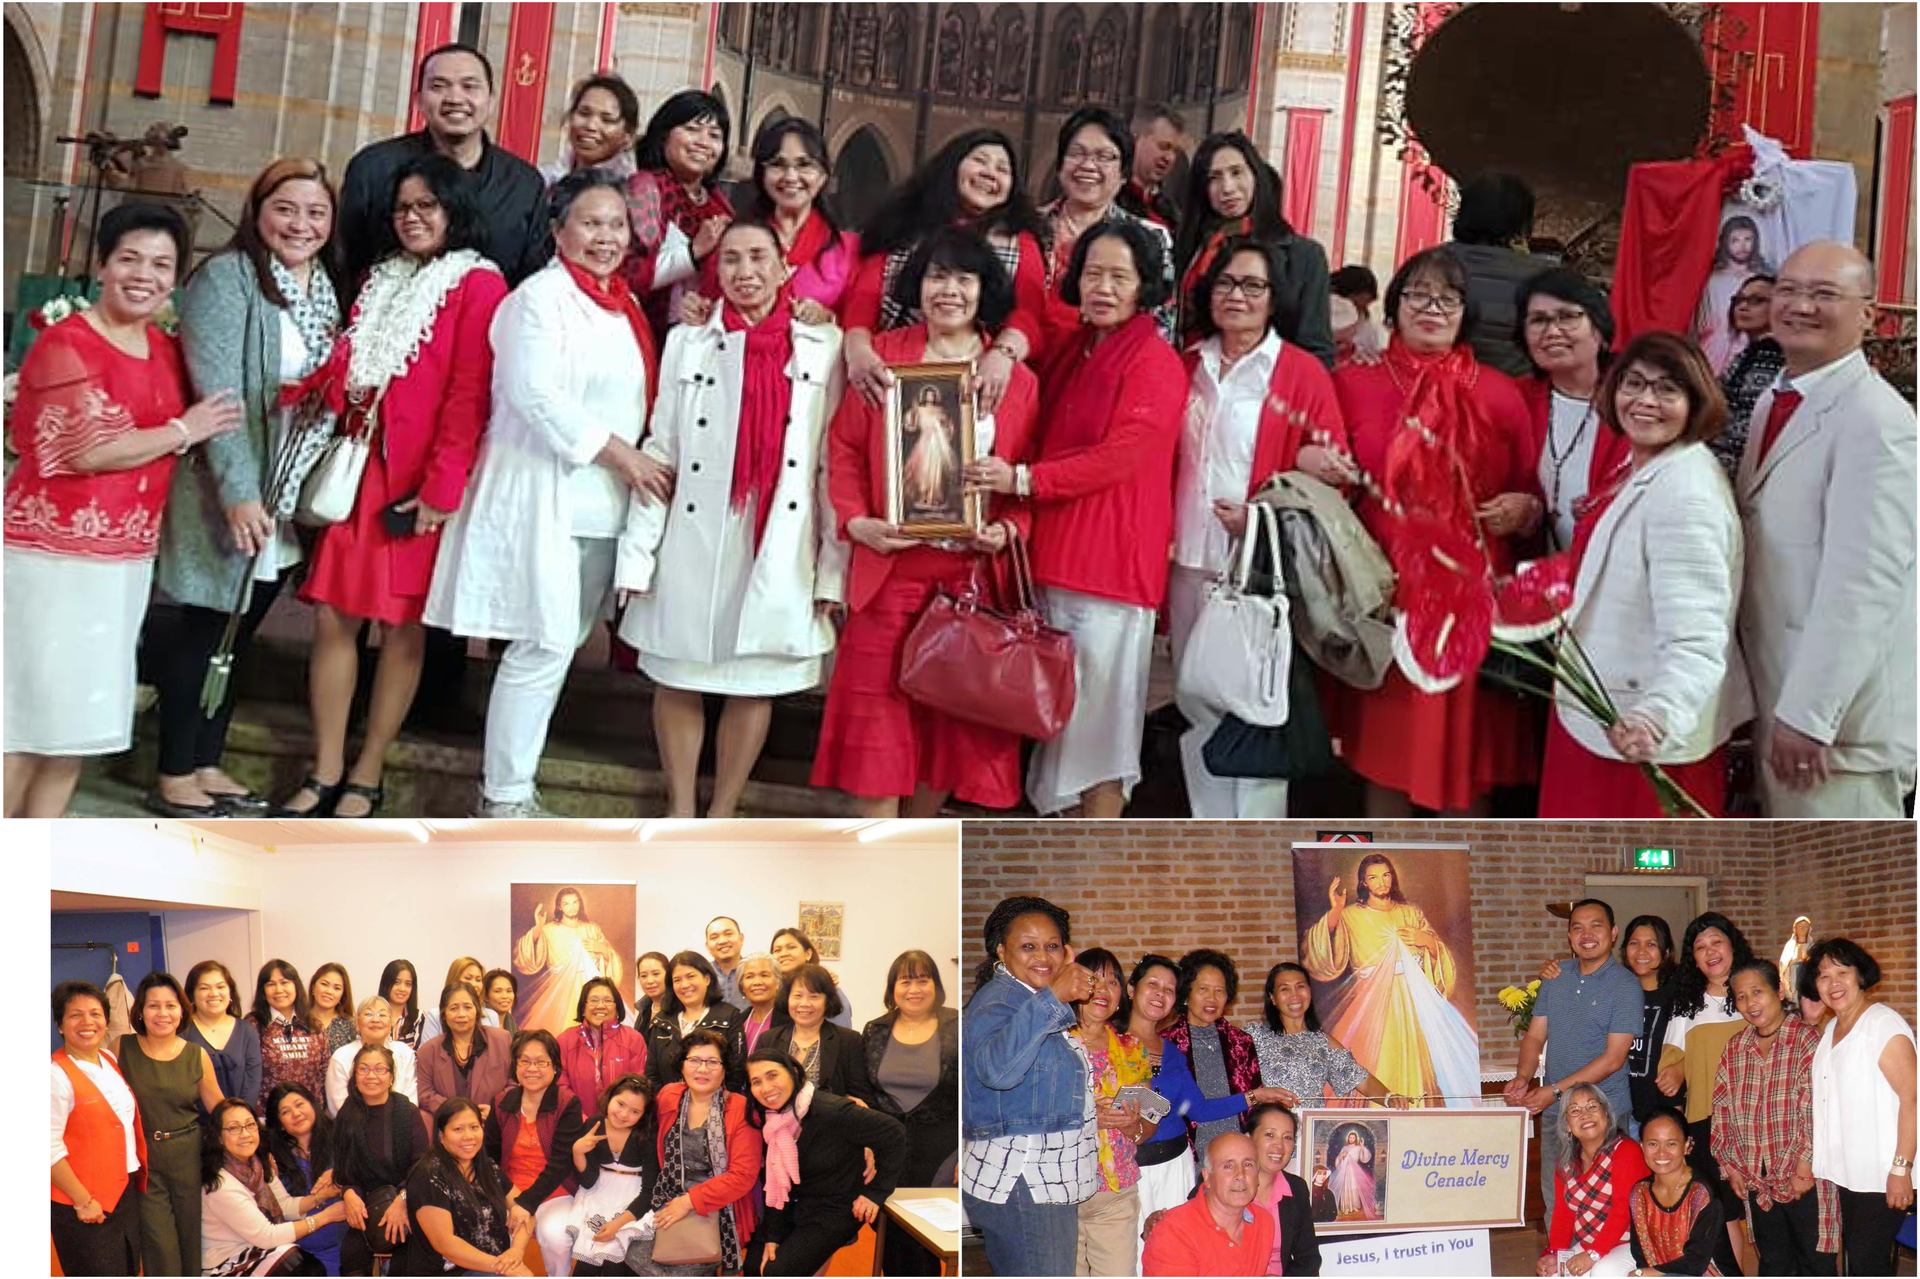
1157, 135
454, 91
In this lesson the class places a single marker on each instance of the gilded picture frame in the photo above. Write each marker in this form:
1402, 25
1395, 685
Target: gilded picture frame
929, 439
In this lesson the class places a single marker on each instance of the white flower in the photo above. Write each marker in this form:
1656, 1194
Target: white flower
1760, 192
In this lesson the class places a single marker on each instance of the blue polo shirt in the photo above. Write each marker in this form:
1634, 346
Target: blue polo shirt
1581, 1011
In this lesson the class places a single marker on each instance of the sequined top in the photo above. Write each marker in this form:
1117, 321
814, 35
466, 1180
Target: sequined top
1306, 1063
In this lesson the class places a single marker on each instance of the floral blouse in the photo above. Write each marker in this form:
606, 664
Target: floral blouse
1306, 1064
1115, 1061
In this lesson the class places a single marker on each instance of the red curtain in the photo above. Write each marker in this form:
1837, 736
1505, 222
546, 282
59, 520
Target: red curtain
523, 80
1667, 233
1893, 245
221, 21
1304, 128
1766, 53
434, 29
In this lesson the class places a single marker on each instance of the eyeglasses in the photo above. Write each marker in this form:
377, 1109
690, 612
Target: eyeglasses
1442, 303
421, 208
1566, 321
805, 166
1818, 294
1587, 1108
533, 1063
1749, 299
1250, 287
704, 1063
1665, 390
247, 1126
1106, 158
372, 1072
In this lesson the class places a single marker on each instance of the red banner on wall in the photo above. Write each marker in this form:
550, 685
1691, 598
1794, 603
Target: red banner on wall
1892, 245
1765, 53
1304, 128
523, 80
221, 21
609, 15
434, 29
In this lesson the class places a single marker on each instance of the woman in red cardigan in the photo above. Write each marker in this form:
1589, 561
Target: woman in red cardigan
600, 1047
973, 181
1257, 406
709, 1156
1102, 496
875, 744
1591, 1213
1470, 467
415, 364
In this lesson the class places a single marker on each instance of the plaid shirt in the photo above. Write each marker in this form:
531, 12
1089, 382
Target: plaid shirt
1763, 1118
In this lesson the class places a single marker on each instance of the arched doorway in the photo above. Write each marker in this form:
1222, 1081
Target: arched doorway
23, 110
862, 178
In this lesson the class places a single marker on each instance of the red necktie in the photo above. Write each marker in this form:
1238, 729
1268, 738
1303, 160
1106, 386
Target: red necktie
1784, 403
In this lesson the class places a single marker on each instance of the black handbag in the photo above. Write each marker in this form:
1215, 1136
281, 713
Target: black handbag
1297, 750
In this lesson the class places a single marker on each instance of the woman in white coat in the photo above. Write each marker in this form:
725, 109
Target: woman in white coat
530, 556
1655, 594
733, 579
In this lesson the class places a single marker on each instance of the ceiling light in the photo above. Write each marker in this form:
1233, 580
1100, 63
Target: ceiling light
665, 825
877, 830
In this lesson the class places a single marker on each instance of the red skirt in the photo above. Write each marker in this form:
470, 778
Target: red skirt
875, 741
1577, 783
363, 570
1442, 750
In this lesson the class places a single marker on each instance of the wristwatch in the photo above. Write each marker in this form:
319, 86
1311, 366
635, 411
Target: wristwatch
1556, 1097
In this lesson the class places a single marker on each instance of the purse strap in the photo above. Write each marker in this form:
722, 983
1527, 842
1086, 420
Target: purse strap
1263, 522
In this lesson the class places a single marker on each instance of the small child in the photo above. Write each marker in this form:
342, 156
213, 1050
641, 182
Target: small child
1676, 1219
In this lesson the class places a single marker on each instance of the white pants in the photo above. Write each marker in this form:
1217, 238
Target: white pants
1207, 795
1162, 1186
550, 1232
527, 685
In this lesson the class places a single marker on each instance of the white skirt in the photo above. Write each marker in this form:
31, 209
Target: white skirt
73, 625
742, 675
1112, 653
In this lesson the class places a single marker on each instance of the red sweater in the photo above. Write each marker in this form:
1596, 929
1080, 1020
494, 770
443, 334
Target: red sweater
860, 309
1629, 1167
1301, 409
745, 1150
1103, 513
858, 435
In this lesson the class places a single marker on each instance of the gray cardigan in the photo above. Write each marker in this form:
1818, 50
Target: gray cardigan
230, 335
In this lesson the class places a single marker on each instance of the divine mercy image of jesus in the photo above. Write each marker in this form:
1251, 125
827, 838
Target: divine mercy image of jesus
1387, 982
564, 949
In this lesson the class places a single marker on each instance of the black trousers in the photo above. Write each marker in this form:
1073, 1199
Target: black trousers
1707, 1169
358, 1248
179, 640
110, 1247
1787, 1237
1867, 1227
818, 1232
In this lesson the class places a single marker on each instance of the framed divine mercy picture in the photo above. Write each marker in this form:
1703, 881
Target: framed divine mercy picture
929, 439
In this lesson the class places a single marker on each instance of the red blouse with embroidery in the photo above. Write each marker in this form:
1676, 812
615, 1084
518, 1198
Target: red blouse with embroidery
78, 391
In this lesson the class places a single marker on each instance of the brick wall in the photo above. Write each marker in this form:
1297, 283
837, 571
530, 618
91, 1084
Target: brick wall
1169, 886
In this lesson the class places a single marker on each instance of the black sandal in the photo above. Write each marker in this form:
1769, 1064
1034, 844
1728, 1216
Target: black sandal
328, 793
374, 795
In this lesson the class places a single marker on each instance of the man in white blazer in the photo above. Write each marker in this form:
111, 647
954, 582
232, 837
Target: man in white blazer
1826, 492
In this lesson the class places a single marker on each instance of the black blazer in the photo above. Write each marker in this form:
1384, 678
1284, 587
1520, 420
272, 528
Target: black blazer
933, 1131
663, 1040
843, 1060
642, 1152
834, 1136
1302, 1255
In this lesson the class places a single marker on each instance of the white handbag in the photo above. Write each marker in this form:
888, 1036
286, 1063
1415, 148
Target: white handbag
333, 486
1237, 657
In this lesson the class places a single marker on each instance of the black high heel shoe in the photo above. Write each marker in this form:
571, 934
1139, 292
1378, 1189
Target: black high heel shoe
328, 793
374, 795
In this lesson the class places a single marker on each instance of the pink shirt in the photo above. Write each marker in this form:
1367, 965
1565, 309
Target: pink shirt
1281, 1190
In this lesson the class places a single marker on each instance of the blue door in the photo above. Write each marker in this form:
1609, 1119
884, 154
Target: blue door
135, 937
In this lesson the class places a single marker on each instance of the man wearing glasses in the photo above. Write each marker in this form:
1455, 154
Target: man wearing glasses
1826, 491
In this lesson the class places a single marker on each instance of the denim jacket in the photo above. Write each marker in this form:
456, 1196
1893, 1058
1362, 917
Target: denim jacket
1018, 1074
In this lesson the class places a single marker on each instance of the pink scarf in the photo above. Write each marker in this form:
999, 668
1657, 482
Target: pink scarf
766, 397
782, 1134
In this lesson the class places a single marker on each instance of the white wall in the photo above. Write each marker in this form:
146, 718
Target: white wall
364, 908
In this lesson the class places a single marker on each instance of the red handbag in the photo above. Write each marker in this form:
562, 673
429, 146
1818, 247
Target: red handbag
1003, 667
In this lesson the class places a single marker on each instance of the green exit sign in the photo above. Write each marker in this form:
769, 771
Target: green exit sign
1653, 859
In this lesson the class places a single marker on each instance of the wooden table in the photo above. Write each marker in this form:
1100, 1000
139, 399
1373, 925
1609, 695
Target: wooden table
944, 1244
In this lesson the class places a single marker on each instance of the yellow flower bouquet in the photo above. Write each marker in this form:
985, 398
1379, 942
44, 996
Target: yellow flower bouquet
1519, 1001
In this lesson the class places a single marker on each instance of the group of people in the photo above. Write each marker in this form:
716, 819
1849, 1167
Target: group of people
468, 400
731, 1119
1682, 1093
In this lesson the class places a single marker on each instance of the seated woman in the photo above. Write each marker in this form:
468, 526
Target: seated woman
690, 1002
458, 1206
1676, 1220
248, 1221
1599, 1165
832, 1057
377, 1137
464, 971
816, 1195
469, 1060
601, 1047
299, 1139
709, 1159
373, 1021
1296, 1248
530, 1135
616, 1169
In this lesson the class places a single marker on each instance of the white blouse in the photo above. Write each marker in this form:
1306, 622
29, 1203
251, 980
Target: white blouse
1572, 425
112, 1088
1216, 448
1856, 1115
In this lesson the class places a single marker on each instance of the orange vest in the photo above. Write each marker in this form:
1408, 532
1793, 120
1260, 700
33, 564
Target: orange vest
97, 1140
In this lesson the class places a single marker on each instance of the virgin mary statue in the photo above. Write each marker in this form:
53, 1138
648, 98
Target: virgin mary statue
561, 953
1391, 976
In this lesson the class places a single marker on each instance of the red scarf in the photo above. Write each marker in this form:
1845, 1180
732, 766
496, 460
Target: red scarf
1428, 469
614, 294
684, 211
766, 397
809, 242
1210, 247
1083, 386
